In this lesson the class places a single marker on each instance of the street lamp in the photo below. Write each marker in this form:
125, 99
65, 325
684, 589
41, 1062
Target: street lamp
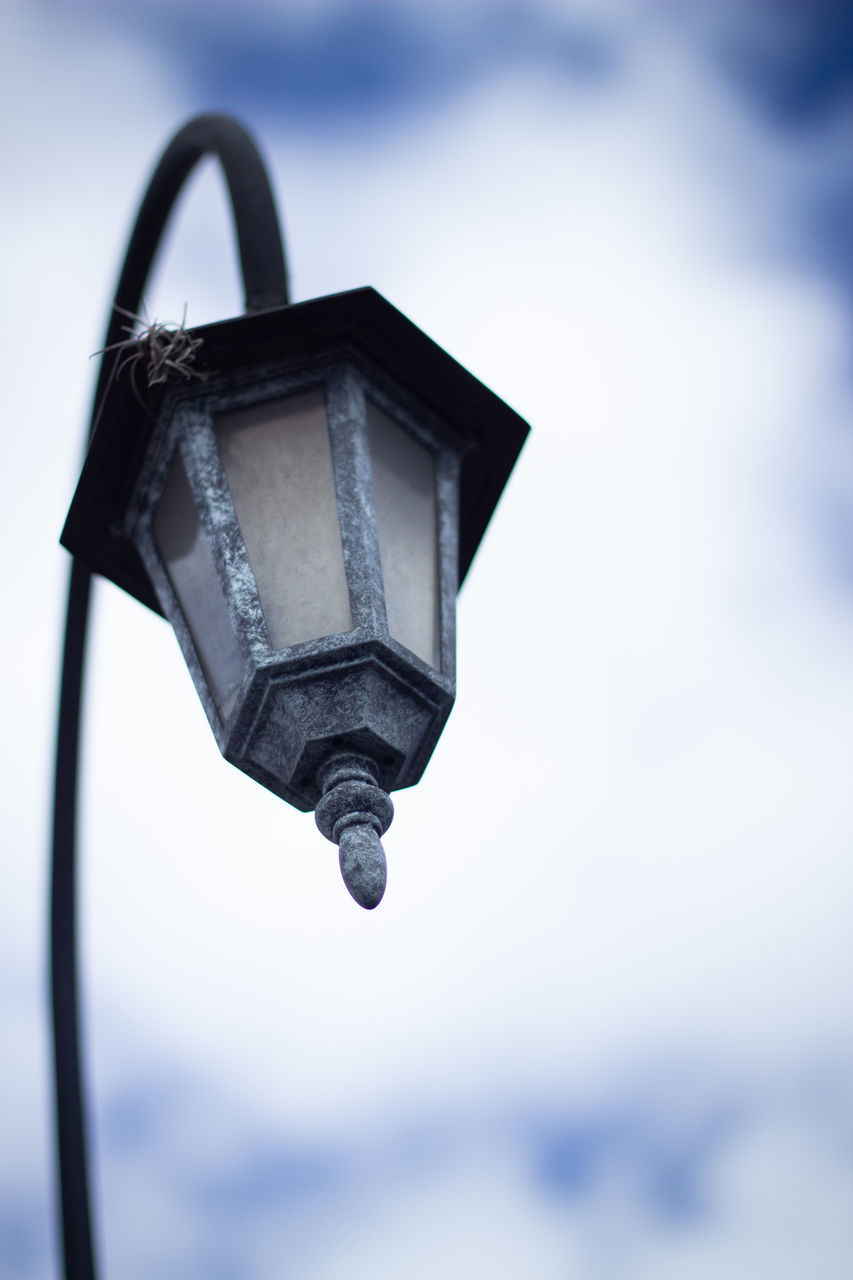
300, 491
292, 494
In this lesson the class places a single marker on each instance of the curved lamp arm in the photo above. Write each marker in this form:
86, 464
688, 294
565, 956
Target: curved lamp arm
262, 263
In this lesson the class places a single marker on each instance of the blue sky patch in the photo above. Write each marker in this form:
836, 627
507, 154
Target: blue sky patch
359, 65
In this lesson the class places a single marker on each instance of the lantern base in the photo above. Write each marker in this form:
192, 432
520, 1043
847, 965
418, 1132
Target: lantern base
368, 698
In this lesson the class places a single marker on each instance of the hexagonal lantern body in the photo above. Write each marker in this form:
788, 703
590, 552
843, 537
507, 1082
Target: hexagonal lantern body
290, 525
302, 504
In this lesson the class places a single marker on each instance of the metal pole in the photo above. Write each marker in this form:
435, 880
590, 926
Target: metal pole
264, 272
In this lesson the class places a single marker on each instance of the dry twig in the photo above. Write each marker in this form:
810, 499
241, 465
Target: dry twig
164, 350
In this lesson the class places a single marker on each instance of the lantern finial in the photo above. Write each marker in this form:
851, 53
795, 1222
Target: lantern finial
353, 813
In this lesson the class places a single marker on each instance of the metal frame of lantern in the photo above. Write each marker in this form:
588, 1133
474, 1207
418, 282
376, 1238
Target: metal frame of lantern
362, 694
357, 688
354, 697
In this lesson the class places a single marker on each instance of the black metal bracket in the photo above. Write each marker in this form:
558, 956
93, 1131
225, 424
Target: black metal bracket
264, 272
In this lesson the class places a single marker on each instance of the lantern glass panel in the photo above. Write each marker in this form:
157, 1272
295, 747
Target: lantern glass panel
278, 463
192, 572
405, 496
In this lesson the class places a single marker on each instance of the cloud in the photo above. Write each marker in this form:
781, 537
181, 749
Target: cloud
667, 1167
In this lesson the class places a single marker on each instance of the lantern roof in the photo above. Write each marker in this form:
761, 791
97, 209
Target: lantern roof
358, 322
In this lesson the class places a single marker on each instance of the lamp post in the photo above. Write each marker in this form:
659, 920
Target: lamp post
300, 491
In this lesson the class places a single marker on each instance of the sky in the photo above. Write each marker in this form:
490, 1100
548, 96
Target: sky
619, 1045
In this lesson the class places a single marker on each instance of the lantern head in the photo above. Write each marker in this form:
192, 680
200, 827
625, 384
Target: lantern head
300, 492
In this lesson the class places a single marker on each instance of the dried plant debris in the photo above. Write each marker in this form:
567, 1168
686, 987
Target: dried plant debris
161, 351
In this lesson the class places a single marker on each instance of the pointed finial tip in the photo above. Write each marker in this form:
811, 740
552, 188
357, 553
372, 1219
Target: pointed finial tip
353, 812
363, 865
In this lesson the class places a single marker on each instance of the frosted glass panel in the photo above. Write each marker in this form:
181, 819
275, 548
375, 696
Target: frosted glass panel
404, 490
279, 466
188, 560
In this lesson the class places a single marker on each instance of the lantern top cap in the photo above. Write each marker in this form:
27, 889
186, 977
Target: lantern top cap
358, 322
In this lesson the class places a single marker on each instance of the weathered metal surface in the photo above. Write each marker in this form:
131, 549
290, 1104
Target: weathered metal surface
360, 321
360, 693
353, 813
